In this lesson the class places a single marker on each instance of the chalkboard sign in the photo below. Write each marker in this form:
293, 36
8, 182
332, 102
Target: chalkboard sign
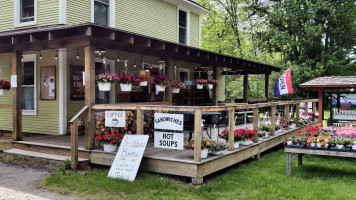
128, 158
77, 88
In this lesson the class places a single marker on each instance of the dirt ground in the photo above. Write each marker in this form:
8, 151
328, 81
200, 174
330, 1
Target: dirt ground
23, 182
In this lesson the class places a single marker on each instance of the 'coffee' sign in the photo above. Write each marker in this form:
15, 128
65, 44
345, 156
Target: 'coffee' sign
169, 140
168, 121
115, 119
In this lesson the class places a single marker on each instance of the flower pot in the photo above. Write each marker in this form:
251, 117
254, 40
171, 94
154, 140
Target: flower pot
326, 146
143, 83
110, 147
289, 142
159, 88
339, 146
246, 143
312, 144
175, 90
266, 135
204, 153
199, 86
104, 86
2, 92
236, 145
260, 139
210, 86
216, 153
354, 147
318, 145
126, 87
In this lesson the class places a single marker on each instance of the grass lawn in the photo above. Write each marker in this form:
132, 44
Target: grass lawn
319, 178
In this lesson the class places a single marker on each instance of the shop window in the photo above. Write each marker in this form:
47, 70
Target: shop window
183, 27
101, 12
29, 85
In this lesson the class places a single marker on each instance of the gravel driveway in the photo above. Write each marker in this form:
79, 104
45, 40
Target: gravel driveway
25, 183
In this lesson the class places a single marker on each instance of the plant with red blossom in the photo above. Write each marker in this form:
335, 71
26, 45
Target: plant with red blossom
203, 82
127, 79
109, 138
143, 78
163, 81
237, 137
5, 85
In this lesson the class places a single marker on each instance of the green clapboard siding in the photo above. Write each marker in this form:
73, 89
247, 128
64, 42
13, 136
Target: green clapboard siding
154, 18
47, 14
46, 120
78, 11
194, 30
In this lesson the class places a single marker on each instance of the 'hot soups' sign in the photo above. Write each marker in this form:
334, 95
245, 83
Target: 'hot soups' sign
169, 140
168, 121
128, 158
115, 119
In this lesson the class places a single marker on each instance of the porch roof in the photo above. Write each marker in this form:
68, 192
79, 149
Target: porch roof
331, 81
81, 35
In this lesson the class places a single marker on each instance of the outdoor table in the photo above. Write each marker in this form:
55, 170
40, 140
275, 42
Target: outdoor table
293, 152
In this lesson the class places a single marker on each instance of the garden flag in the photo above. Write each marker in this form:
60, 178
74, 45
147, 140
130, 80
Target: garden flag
284, 84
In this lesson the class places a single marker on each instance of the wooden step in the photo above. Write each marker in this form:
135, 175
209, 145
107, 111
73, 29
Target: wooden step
49, 148
47, 156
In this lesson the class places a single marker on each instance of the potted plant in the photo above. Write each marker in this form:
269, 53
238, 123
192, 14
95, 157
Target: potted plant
161, 82
261, 135
347, 142
177, 85
144, 79
206, 145
301, 140
247, 135
104, 81
109, 140
4, 85
277, 129
211, 83
354, 146
126, 82
287, 140
218, 146
237, 137
200, 83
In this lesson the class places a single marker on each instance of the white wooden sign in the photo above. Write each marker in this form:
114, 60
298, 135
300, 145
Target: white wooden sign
169, 140
128, 158
115, 119
13, 81
168, 121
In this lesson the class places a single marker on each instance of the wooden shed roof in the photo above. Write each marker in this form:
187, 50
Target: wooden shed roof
331, 81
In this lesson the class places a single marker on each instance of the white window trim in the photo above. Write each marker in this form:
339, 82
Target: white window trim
29, 58
188, 24
199, 39
112, 70
17, 14
62, 11
111, 13
184, 70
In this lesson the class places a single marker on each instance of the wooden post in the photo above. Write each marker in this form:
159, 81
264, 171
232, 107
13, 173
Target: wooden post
245, 88
306, 110
297, 112
215, 88
300, 160
289, 164
231, 129
313, 107
197, 135
266, 85
139, 123
74, 144
255, 124
273, 120
168, 92
17, 96
320, 106
89, 62
286, 116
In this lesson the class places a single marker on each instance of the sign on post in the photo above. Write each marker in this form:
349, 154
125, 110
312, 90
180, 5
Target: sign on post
169, 140
128, 158
168, 121
115, 119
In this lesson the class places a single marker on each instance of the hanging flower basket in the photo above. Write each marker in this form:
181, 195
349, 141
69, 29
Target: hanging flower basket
200, 83
160, 88
200, 86
110, 147
144, 83
175, 90
104, 86
210, 86
4, 85
211, 83
126, 87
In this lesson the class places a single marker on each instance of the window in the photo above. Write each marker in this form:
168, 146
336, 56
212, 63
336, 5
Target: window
25, 12
101, 12
182, 25
29, 85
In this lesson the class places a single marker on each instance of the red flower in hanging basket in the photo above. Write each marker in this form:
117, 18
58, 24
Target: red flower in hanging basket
5, 85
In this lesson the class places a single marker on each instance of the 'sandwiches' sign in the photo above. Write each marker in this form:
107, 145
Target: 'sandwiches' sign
168, 121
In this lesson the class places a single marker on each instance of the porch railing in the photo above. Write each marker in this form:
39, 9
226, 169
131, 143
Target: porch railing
230, 108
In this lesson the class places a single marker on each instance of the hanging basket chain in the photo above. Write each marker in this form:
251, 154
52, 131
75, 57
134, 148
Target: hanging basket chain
104, 69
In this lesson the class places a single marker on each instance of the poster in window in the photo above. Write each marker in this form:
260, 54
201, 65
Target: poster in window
48, 83
77, 88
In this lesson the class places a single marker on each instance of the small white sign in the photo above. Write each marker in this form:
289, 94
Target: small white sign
83, 78
115, 119
128, 158
14, 81
168, 121
169, 140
